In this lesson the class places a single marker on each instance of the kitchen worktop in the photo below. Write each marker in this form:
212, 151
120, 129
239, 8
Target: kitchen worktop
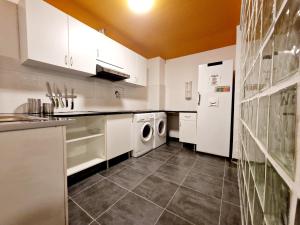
24, 125
97, 113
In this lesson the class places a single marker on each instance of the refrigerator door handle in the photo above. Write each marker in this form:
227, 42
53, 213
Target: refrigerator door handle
199, 98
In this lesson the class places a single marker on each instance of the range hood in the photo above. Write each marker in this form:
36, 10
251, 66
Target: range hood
111, 74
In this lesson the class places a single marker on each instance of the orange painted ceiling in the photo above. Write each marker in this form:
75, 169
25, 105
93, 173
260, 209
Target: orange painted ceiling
171, 29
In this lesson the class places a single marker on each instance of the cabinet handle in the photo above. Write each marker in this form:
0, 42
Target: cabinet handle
71, 61
199, 98
66, 60
97, 53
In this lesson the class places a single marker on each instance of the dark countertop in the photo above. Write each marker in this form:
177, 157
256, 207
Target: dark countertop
45, 122
61, 119
98, 113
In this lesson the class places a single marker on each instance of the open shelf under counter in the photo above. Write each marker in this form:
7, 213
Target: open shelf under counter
82, 135
77, 164
85, 143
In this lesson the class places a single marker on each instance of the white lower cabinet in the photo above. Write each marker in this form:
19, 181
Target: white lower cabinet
118, 135
188, 127
32, 177
95, 139
85, 143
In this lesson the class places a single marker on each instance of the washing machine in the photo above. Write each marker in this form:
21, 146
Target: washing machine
160, 129
143, 133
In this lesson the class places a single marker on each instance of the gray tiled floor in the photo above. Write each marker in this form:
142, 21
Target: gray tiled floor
168, 186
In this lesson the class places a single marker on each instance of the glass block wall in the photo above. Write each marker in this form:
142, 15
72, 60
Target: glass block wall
269, 143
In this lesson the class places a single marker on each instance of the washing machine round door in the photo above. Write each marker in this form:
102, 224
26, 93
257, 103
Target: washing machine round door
146, 132
161, 128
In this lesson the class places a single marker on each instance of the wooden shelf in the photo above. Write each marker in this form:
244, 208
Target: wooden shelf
84, 165
82, 135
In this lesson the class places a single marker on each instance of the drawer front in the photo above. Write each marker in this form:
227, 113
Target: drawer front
188, 116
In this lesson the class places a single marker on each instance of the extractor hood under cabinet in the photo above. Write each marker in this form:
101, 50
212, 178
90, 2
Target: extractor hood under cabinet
109, 74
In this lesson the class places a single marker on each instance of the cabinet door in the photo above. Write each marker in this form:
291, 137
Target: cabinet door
32, 177
141, 70
43, 33
118, 135
131, 64
82, 47
187, 128
136, 67
111, 53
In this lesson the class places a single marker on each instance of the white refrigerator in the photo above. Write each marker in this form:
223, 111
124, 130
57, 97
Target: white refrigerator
214, 107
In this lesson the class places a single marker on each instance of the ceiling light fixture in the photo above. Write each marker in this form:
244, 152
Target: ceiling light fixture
140, 6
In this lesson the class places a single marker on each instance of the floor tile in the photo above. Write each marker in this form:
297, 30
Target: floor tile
178, 160
211, 159
77, 216
112, 170
230, 214
128, 177
99, 197
187, 153
170, 219
174, 144
231, 172
80, 186
196, 207
159, 155
156, 190
172, 173
205, 184
145, 164
206, 167
130, 160
231, 192
170, 149
131, 210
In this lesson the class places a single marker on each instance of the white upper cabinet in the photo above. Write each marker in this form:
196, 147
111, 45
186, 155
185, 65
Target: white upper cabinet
130, 68
43, 33
136, 67
141, 70
110, 53
82, 47
113, 55
51, 37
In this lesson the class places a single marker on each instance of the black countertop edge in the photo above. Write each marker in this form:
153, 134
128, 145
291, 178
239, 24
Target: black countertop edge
98, 113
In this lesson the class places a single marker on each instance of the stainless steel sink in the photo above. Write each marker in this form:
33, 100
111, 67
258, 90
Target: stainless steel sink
5, 118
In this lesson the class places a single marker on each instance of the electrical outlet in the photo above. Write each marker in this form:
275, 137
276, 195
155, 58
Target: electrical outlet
118, 92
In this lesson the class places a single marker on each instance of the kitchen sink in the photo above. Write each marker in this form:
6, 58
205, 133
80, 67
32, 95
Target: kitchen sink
5, 118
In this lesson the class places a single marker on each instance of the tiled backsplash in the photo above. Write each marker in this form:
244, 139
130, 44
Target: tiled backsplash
18, 82
269, 169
